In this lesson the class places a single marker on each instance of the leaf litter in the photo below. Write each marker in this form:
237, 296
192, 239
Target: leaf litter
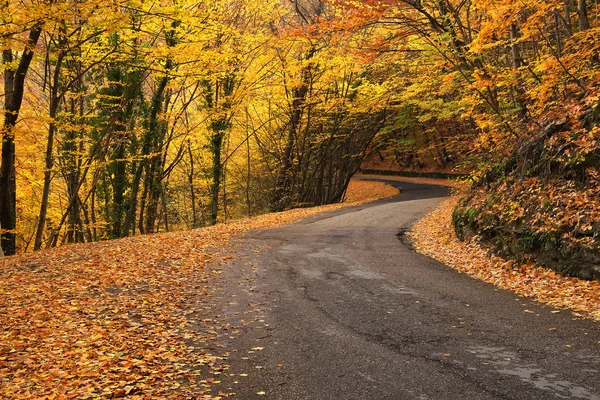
434, 236
123, 318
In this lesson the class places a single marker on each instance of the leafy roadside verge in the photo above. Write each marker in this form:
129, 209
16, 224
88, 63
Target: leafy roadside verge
125, 318
434, 236
456, 184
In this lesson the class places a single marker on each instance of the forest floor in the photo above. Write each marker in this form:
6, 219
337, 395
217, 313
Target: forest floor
125, 318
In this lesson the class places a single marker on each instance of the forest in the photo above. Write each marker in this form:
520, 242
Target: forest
132, 117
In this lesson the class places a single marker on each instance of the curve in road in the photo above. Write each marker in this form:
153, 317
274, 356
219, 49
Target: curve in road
344, 310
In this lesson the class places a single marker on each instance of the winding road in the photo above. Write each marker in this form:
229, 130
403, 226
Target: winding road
338, 306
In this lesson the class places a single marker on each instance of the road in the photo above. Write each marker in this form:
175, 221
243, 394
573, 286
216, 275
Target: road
337, 307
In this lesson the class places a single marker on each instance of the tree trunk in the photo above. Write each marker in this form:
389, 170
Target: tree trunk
192, 187
93, 215
584, 22
568, 22
248, 170
283, 184
216, 145
516, 54
517, 63
49, 159
72, 162
47, 180
14, 88
221, 105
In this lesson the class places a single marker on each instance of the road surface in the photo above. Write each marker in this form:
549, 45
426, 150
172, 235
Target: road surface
339, 307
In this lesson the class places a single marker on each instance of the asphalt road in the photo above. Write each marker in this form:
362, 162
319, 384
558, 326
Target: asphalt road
337, 307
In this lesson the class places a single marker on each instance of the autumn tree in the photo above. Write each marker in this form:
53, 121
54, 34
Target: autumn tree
523, 76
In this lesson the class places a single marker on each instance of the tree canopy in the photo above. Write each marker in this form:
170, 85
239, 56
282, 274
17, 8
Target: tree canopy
132, 117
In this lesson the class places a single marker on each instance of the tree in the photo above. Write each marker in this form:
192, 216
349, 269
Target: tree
15, 73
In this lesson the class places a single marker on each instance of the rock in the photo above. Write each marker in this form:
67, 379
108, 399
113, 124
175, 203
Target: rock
596, 272
586, 274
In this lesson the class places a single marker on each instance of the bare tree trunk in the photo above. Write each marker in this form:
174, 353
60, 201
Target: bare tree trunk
155, 170
14, 88
216, 143
568, 22
516, 54
164, 210
93, 215
53, 238
221, 103
72, 162
54, 101
283, 184
192, 187
248, 171
224, 178
47, 180
86, 219
584, 22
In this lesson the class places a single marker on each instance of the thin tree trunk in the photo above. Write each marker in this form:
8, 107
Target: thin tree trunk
71, 155
49, 159
568, 22
584, 22
248, 170
216, 143
165, 213
283, 185
156, 166
221, 103
53, 239
86, 219
93, 215
192, 187
224, 180
517, 63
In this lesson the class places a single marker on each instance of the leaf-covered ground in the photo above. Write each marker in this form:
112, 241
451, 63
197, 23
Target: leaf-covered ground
434, 236
433, 181
124, 318
362, 191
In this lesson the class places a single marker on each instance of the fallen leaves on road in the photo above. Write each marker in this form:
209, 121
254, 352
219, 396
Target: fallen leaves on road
124, 318
434, 236
433, 181
361, 191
